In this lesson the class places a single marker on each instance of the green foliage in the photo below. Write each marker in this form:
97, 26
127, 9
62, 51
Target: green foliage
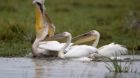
17, 22
117, 67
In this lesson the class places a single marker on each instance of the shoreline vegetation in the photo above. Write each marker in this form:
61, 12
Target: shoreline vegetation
117, 21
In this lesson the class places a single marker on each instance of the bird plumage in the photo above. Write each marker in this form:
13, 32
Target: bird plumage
78, 51
112, 49
42, 30
53, 45
65, 49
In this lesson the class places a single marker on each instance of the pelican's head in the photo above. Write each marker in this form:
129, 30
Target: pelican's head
40, 2
92, 35
51, 26
41, 24
96, 36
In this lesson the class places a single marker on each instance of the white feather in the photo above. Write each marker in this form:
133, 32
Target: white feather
112, 50
50, 45
109, 50
82, 59
80, 51
53, 45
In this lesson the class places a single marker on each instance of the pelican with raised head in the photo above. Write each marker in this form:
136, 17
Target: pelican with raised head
42, 30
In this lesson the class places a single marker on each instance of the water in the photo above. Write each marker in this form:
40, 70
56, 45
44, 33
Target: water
57, 68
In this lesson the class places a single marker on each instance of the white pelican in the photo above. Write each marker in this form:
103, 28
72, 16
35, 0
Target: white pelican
49, 47
78, 51
42, 30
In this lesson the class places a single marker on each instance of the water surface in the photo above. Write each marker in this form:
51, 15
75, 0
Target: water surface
57, 68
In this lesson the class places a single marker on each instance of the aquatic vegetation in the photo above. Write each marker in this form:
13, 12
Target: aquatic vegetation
117, 67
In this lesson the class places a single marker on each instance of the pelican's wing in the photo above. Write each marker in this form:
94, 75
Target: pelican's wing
112, 50
53, 45
80, 51
50, 45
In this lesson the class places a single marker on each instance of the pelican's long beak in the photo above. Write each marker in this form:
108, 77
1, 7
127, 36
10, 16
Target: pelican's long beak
85, 38
51, 28
40, 20
49, 20
82, 35
40, 7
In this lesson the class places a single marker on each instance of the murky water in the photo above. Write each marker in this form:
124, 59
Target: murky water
44, 68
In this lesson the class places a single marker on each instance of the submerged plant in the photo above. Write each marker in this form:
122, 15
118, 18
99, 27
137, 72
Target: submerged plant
117, 67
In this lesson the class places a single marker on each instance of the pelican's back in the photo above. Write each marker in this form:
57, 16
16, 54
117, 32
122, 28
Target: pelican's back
80, 51
50, 45
53, 45
112, 50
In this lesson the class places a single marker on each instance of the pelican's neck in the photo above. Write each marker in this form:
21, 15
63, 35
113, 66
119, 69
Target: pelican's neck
41, 26
97, 40
61, 52
35, 46
37, 40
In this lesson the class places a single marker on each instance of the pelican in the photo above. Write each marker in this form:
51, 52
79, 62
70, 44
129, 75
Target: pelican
68, 49
42, 30
79, 51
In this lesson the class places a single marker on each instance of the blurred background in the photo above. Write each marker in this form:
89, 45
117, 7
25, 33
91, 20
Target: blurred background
117, 21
